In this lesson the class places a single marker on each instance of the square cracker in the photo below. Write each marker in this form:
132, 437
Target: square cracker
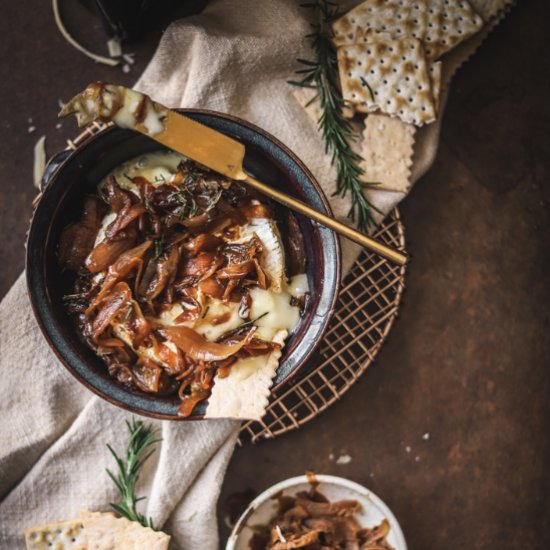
439, 24
245, 392
62, 535
372, 17
449, 22
309, 100
395, 72
387, 150
107, 532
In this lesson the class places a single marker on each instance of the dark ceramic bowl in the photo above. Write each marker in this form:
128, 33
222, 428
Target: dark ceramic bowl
71, 175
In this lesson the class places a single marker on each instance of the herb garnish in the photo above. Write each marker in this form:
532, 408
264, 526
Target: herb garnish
321, 75
215, 201
129, 312
239, 329
253, 321
142, 437
193, 208
205, 312
159, 248
183, 201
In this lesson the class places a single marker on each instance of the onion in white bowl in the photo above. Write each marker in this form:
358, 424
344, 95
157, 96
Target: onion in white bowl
264, 508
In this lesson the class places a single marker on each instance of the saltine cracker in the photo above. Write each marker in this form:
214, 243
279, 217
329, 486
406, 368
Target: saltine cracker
390, 76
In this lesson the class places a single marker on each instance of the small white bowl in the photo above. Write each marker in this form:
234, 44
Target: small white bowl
264, 507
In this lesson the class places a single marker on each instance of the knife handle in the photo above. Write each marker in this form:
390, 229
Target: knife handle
340, 228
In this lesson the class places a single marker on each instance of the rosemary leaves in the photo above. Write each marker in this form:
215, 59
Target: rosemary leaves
142, 438
322, 76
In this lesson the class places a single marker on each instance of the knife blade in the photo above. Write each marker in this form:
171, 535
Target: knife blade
203, 145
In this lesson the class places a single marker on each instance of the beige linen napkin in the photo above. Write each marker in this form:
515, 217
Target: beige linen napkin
235, 57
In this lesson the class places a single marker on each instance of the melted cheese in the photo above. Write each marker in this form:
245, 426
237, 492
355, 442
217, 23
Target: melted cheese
121, 105
298, 285
125, 117
273, 312
158, 167
147, 352
217, 309
107, 220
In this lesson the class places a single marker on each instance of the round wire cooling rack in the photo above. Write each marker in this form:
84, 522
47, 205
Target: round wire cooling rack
367, 306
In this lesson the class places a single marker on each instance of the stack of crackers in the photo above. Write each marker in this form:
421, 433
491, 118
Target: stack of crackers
388, 59
95, 531
388, 51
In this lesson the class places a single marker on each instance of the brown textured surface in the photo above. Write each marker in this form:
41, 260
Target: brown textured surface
468, 360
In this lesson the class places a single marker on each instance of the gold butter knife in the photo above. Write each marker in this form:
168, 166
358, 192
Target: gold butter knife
130, 109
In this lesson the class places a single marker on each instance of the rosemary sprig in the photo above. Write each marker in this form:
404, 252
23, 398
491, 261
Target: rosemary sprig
322, 76
253, 321
142, 438
240, 328
214, 200
185, 202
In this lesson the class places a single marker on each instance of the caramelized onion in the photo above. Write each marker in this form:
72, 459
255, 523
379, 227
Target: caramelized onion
138, 325
197, 222
198, 348
123, 219
231, 285
203, 242
77, 239
147, 375
105, 253
238, 217
120, 297
129, 260
165, 273
126, 262
188, 402
211, 287
262, 277
198, 265
295, 250
115, 196
235, 271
